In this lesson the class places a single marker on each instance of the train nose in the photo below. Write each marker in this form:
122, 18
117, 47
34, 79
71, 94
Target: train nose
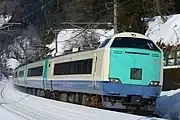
132, 66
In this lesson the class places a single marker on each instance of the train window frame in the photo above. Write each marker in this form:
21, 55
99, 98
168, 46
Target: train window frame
105, 42
118, 43
35, 75
20, 73
74, 67
16, 74
136, 73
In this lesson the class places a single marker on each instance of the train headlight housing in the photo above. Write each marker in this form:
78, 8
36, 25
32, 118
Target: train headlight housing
154, 83
115, 80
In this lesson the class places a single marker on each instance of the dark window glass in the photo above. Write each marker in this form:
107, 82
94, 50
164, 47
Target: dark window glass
126, 42
21, 73
74, 67
16, 74
37, 71
136, 74
105, 42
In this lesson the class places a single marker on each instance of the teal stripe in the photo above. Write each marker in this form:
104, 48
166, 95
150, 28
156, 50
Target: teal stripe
45, 70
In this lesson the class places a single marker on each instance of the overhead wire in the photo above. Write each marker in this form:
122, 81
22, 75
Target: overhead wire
91, 15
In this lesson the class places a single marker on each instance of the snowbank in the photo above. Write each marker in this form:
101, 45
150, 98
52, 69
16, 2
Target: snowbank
169, 31
33, 107
168, 105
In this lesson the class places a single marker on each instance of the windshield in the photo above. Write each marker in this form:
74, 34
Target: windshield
105, 42
127, 42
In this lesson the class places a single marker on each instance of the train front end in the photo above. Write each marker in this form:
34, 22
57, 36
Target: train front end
135, 72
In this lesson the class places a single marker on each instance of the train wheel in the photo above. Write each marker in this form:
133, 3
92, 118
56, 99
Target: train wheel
94, 101
71, 97
33, 91
64, 97
42, 93
84, 99
56, 95
77, 98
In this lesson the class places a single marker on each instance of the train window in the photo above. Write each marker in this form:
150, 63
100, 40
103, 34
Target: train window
127, 42
136, 74
105, 42
16, 74
74, 67
37, 71
21, 73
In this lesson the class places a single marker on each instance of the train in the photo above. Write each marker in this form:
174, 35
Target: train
125, 72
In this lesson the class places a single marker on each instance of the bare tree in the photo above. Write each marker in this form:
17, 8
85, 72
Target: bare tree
83, 39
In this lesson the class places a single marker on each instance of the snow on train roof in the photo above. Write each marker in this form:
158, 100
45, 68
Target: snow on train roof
131, 34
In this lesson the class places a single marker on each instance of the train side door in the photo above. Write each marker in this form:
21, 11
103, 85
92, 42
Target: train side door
25, 75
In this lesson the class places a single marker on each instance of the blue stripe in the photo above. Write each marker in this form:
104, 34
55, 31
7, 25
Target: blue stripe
102, 87
34, 83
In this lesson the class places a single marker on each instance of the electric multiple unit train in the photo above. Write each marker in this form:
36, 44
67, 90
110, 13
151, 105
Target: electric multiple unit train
124, 72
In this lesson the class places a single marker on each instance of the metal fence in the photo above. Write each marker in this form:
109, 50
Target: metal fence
172, 57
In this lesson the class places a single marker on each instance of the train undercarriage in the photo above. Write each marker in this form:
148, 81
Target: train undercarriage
131, 104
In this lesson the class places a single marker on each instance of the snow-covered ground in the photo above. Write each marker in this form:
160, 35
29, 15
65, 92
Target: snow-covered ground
4, 113
32, 107
168, 105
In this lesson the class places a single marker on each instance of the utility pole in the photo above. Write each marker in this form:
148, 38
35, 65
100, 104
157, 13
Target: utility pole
115, 16
56, 38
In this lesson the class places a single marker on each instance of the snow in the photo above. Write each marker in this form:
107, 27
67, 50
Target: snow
171, 67
4, 19
168, 31
68, 34
4, 113
168, 105
108, 34
32, 107
12, 63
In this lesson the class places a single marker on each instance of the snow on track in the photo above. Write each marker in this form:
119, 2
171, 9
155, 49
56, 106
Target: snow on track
4, 113
36, 108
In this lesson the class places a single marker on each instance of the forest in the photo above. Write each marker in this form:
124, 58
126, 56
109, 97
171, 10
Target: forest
40, 18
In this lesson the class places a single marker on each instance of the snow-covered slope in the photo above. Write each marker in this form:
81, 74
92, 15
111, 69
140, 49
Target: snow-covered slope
168, 32
168, 105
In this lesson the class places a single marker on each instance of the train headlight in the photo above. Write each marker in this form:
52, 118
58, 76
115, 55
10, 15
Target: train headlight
114, 80
154, 83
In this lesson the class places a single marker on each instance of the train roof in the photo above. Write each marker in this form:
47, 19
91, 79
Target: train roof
123, 34
131, 34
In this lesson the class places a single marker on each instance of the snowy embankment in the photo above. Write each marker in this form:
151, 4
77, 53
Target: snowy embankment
168, 105
32, 107
4, 113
